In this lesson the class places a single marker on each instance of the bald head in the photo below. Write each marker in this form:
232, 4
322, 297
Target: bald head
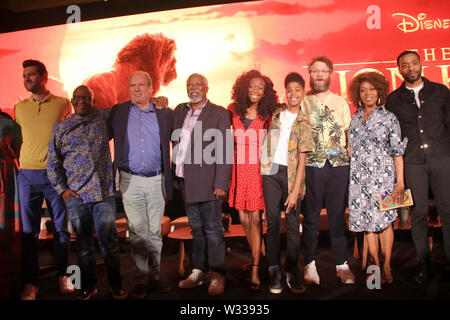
200, 76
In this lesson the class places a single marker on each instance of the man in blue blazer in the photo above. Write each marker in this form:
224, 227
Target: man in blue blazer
201, 132
141, 135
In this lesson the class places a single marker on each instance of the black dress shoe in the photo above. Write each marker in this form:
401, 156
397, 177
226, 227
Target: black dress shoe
295, 285
87, 294
139, 291
118, 293
422, 277
159, 286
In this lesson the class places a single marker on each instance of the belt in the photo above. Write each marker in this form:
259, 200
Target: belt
145, 174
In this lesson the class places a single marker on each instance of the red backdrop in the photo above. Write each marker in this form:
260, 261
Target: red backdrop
222, 41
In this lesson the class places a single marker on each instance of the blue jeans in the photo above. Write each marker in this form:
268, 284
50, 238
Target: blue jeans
101, 216
34, 186
205, 220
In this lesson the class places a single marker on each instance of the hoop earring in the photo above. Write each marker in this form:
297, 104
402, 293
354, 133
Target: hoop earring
360, 104
379, 101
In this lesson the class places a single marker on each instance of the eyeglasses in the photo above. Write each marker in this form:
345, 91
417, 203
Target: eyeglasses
316, 71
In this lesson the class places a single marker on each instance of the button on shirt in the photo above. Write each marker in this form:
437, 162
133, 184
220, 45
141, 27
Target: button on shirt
79, 158
185, 138
142, 146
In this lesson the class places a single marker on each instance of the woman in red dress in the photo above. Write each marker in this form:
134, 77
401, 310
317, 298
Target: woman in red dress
254, 101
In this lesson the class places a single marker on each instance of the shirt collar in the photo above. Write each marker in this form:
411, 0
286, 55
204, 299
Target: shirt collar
360, 111
425, 85
190, 107
418, 88
47, 98
151, 108
300, 115
87, 118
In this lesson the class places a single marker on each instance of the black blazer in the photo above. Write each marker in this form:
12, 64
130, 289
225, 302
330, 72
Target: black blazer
201, 178
117, 126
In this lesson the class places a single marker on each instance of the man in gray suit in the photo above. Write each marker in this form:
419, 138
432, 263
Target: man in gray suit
203, 175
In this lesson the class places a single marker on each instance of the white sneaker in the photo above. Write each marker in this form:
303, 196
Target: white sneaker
343, 272
311, 275
195, 279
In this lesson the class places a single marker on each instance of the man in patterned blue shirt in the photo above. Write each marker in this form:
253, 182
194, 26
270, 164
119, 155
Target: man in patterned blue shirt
79, 167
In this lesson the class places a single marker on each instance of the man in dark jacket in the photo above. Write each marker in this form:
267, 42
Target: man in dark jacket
141, 135
423, 110
203, 175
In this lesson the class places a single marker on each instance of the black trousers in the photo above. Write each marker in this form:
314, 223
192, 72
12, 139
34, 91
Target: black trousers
275, 189
329, 183
419, 177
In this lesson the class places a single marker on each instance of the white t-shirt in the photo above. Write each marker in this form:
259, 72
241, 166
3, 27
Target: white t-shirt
416, 93
286, 120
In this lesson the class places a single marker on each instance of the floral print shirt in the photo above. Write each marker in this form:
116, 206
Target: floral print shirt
79, 158
300, 140
330, 120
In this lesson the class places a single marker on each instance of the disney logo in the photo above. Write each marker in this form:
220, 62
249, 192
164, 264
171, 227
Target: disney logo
412, 24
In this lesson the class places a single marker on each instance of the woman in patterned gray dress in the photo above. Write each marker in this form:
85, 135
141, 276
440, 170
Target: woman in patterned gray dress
376, 165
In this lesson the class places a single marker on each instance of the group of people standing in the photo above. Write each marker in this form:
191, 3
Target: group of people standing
308, 149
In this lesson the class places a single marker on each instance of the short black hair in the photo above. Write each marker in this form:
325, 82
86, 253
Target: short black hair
40, 67
294, 77
404, 53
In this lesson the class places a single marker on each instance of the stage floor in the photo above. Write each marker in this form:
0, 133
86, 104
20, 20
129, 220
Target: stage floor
403, 265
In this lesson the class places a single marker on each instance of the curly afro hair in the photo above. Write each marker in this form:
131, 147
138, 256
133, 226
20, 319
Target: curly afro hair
239, 94
376, 79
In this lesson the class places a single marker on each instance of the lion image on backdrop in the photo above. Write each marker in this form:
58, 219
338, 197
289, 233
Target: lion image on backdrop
153, 53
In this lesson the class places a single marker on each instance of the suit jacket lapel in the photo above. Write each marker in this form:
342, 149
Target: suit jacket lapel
205, 112
161, 123
202, 118
123, 131
180, 119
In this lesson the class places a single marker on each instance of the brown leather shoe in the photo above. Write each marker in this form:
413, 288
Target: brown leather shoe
216, 284
29, 292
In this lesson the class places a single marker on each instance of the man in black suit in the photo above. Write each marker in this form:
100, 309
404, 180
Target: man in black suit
141, 135
201, 131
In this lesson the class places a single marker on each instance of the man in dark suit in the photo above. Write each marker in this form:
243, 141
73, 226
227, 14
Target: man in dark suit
141, 135
201, 130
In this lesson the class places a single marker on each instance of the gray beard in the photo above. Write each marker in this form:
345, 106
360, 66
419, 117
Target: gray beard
195, 99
